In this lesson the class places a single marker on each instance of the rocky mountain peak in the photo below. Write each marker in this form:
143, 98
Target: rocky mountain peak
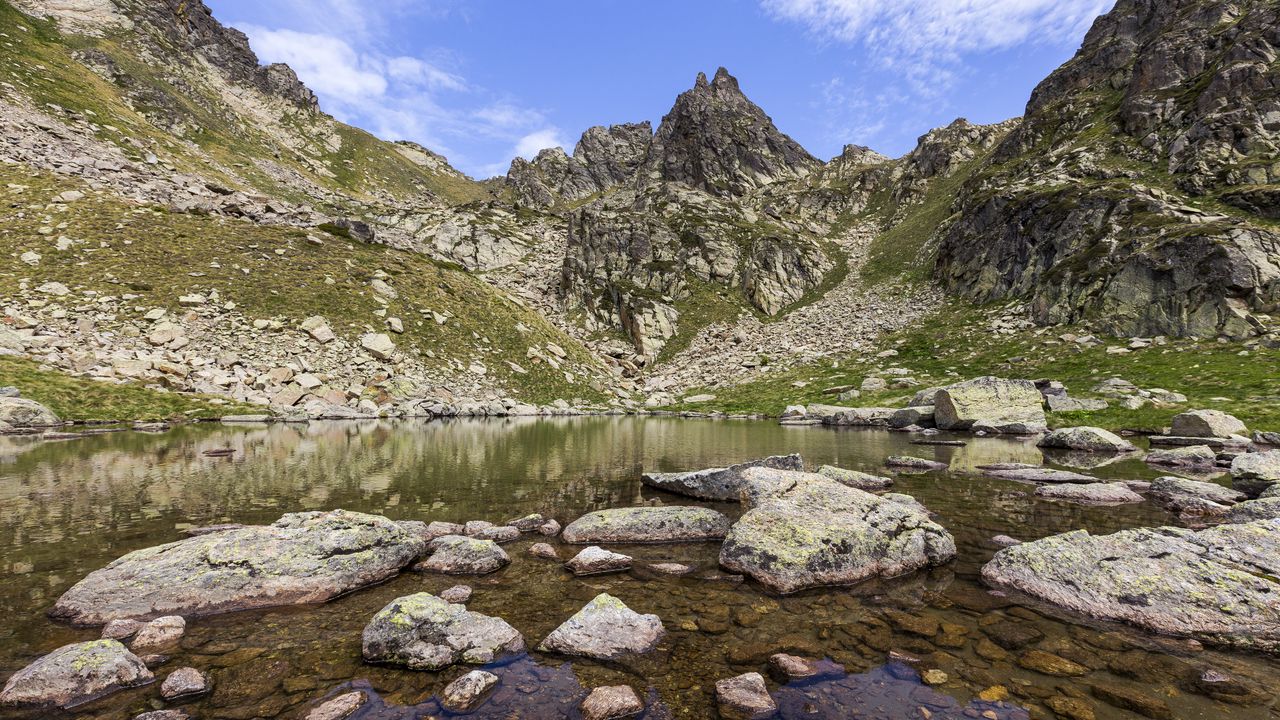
717, 140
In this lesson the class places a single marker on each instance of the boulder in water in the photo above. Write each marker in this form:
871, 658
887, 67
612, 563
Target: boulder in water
605, 629
75, 674
855, 479
1217, 585
717, 483
424, 632
806, 531
1089, 439
662, 524
304, 557
462, 555
1007, 406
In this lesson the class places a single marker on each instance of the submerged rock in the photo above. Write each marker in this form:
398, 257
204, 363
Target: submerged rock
1103, 493
1090, 439
615, 702
1035, 474
184, 682
648, 525
339, 708
1217, 585
1007, 406
75, 674
544, 551
596, 560
855, 479
744, 697
907, 462
461, 555
468, 692
301, 558
424, 632
717, 483
605, 629
457, 595
806, 530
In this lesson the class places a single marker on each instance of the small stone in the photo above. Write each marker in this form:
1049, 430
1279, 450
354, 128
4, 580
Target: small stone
744, 697
934, 676
458, 594
163, 632
615, 702
468, 692
596, 560
544, 551
121, 629
184, 682
339, 708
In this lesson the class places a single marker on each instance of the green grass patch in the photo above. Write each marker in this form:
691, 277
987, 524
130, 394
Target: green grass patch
956, 343
85, 400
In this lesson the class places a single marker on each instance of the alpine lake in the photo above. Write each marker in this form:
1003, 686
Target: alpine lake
70, 507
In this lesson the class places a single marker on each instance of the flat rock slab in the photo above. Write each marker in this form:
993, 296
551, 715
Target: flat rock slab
605, 629
75, 674
1089, 439
717, 483
596, 560
1197, 456
855, 479
907, 462
1217, 585
1102, 493
424, 632
804, 530
648, 525
461, 555
1036, 474
301, 558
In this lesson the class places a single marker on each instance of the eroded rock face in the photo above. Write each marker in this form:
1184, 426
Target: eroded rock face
301, 558
1090, 439
1009, 406
75, 674
648, 525
717, 483
808, 531
1067, 225
1216, 585
424, 632
605, 629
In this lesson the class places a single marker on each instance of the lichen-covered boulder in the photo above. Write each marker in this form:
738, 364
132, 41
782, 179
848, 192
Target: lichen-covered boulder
595, 560
1177, 493
855, 479
1207, 424
647, 525
305, 557
75, 674
807, 530
1217, 585
21, 412
717, 483
1089, 439
462, 555
1007, 406
1250, 510
1188, 456
424, 632
605, 629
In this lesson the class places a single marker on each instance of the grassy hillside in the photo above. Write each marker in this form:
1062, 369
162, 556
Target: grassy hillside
273, 272
179, 114
957, 343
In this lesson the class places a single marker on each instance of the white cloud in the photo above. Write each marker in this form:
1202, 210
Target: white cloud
397, 96
529, 145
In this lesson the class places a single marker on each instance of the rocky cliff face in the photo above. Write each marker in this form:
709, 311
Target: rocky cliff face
604, 158
1136, 191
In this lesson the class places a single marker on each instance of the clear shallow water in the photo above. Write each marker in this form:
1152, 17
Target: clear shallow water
69, 507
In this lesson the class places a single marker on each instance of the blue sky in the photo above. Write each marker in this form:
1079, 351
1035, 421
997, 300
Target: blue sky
481, 81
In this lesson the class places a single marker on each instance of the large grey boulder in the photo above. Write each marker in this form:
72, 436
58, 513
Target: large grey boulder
1217, 585
1007, 406
803, 530
424, 632
1090, 439
1187, 456
717, 483
461, 555
75, 674
647, 525
605, 629
1207, 424
21, 412
1252, 473
301, 558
